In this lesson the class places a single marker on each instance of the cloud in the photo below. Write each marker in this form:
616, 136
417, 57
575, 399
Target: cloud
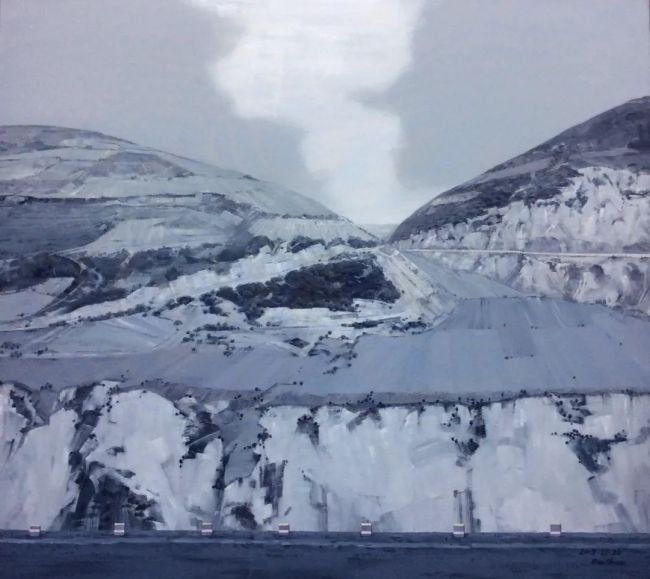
309, 64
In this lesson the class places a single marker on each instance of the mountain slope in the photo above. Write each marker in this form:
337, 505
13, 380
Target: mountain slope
179, 342
114, 217
104, 193
585, 190
110, 250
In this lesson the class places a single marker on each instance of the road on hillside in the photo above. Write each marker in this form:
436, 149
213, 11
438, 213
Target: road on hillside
535, 253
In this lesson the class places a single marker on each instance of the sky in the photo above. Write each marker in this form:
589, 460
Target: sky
372, 107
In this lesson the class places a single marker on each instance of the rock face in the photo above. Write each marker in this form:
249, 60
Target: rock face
588, 189
157, 462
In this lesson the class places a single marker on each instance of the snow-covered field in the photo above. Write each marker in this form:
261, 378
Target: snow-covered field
468, 334
18, 304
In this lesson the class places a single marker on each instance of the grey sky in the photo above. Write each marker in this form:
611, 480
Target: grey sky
371, 106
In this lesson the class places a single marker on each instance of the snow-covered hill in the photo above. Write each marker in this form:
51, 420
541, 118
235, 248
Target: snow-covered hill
101, 195
122, 223
585, 191
45, 162
588, 189
179, 342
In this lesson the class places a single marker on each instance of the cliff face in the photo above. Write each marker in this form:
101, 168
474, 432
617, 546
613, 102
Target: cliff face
100, 454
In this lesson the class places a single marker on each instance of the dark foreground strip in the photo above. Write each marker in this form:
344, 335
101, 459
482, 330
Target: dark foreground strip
166, 555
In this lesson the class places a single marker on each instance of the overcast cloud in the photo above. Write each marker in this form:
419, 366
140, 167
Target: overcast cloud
371, 106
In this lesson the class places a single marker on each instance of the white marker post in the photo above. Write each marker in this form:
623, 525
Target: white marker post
366, 529
35, 531
118, 529
459, 530
555, 530
205, 529
283, 529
